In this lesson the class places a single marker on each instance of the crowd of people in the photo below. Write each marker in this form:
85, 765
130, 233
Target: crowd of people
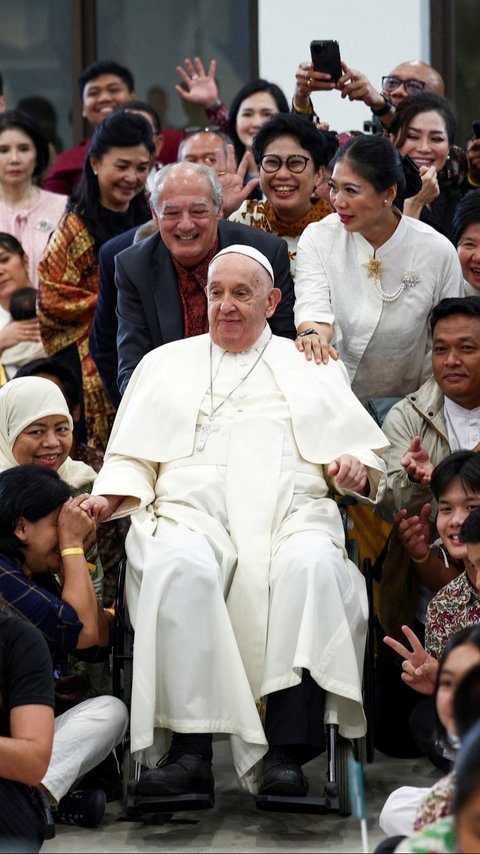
207, 335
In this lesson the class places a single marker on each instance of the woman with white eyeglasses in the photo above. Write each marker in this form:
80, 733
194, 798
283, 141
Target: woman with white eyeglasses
292, 157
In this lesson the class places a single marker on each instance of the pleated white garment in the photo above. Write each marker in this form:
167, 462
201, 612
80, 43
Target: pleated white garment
237, 574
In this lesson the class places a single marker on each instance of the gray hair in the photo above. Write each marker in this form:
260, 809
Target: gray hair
200, 169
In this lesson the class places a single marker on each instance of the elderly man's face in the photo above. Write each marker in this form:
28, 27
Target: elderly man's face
456, 359
240, 298
186, 216
200, 148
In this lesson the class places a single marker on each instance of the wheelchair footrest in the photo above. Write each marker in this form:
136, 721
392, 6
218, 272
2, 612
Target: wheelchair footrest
136, 804
314, 805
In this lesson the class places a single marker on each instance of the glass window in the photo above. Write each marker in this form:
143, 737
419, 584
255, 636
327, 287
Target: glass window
35, 61
152, 38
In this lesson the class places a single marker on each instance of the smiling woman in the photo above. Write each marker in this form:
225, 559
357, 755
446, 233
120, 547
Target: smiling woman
424, 128
292, 156
373, 273
26, 211
466, 237
108, 201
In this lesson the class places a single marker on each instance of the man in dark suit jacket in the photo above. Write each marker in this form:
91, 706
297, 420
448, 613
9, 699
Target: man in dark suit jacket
157, 277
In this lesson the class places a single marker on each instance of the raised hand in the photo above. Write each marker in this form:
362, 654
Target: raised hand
201, 86
414, 531
416, 462
232, 178
75, 525
419, 668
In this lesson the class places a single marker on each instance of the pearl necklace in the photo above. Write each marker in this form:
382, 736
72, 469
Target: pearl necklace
375, 269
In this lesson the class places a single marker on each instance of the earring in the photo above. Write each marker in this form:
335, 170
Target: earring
385, 201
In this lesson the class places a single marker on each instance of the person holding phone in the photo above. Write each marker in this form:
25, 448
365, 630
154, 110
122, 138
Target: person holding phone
408, 78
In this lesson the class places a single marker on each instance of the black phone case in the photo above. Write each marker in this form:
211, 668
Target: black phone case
326, 58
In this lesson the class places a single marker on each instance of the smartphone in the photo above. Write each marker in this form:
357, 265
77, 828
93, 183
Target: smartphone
326, 58
476, 128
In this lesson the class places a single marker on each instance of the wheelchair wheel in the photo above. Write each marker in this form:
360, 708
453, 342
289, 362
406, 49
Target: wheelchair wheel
343, 751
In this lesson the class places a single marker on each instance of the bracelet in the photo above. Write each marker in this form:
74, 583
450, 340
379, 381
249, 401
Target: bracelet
215, 105
383, 110
472, 182
306, 111
310, 331
422, 559
73, 551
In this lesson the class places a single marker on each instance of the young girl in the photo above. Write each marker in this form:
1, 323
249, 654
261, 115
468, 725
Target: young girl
410, 808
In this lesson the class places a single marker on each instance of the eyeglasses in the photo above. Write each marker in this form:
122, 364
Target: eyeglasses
412, 87
202, 129
295, 163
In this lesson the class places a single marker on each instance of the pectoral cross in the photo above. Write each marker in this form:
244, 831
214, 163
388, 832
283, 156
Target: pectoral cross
205, 431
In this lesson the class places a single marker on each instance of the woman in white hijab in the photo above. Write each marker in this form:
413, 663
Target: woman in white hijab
36, 427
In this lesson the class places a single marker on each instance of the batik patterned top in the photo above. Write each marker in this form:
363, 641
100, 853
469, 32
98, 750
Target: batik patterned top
454, 606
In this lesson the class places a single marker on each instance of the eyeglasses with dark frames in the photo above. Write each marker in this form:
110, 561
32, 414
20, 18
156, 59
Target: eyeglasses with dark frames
412, 86
295, 163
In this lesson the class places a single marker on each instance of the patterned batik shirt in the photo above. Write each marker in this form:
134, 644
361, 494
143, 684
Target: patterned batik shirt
454, 606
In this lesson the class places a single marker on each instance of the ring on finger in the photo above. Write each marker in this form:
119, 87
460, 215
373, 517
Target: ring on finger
194, 76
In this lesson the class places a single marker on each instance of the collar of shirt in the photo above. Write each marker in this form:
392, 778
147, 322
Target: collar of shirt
463, 425
465, 590
256, 347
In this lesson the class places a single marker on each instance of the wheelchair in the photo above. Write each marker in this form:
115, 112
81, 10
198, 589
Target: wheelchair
336, 795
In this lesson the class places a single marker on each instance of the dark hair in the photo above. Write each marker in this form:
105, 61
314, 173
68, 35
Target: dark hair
287, 124
424, 102
466, 702
467, 635
120, 129
467, 769
470, 530
29, 491
251, 88
11, 244
469, 306
142, 107
377, 161
467, 212
462, 464
23, 304
105, 66
16, 120
42, 111
69, 383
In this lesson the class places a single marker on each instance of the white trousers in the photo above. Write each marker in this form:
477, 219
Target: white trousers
188, 673
83, 737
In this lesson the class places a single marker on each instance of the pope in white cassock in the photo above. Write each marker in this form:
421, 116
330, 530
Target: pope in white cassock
225, 449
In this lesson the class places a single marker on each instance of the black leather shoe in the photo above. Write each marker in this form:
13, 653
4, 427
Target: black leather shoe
178, 774
282, 776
